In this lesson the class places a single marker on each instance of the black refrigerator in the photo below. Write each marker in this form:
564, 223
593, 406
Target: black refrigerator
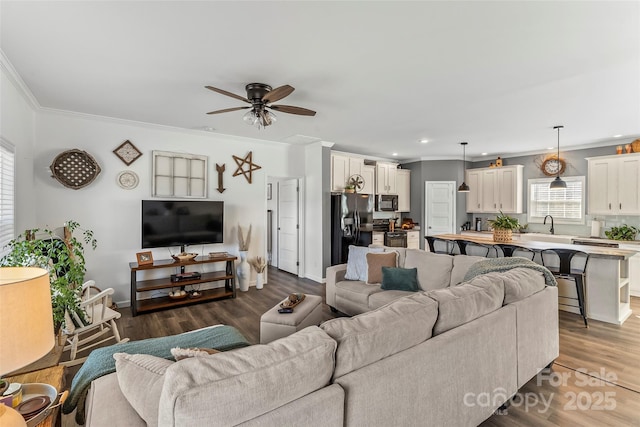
351, 223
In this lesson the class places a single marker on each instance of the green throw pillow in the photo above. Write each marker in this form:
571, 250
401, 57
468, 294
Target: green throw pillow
400, 279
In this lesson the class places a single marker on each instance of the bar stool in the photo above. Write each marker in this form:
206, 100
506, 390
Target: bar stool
508, 250
431, 241
566, 272
464, 245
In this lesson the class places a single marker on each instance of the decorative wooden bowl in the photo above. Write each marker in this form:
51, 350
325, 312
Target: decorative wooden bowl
184, 256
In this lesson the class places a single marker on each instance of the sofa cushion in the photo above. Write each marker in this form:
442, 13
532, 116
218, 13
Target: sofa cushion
369, 337
462, 304
356, 291
400, 279
519, 283
379, 299
232, 387
375, 263
357, 262
461, 264
141, 377
434, 270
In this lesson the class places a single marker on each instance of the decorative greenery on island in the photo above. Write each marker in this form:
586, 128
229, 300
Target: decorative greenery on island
624, 232
505, 222
64, 259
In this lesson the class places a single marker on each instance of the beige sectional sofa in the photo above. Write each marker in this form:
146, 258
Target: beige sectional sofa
435, 271
425, 358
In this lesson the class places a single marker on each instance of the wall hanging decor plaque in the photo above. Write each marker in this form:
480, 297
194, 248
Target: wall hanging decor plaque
75, 168
127, 180
127, 152
241, 162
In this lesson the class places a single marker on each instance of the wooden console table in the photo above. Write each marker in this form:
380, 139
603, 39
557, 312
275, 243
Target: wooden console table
163, 302
53, 376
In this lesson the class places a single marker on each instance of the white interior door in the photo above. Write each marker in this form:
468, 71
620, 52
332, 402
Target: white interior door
440, 207
288, 225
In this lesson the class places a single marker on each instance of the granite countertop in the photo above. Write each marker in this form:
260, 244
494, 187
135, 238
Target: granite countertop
595, 251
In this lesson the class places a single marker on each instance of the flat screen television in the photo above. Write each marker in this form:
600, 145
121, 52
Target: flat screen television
181, 222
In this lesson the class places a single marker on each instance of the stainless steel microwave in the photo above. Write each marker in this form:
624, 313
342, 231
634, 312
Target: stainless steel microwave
387, 202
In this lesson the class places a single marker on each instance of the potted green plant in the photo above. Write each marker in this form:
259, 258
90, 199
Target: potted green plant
63, 258
349, 189
503, 227
624, 232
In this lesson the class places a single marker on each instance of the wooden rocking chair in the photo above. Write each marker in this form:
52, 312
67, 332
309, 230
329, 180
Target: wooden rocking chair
99, 320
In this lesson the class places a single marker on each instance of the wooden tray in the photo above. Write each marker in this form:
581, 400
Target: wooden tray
290, 303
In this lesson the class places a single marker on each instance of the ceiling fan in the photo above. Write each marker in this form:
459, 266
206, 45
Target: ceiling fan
260, 96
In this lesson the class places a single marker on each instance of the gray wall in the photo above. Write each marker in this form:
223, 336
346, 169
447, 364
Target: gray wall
435, 170
450, 170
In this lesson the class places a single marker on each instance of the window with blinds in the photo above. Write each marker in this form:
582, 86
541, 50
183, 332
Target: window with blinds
566, 206
7, 194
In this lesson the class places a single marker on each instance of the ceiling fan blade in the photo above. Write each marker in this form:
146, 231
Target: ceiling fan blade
293, 110
277, 93
226, 110
232, 95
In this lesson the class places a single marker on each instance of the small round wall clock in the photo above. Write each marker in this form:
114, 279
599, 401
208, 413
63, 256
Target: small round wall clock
553, 166
127, 180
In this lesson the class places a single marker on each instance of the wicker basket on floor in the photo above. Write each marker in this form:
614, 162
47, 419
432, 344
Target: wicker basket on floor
502, 235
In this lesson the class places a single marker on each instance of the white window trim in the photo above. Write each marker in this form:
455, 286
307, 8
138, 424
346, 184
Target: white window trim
7, 193
540, 220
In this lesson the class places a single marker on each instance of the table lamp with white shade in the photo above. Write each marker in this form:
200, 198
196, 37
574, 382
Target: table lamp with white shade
26, 324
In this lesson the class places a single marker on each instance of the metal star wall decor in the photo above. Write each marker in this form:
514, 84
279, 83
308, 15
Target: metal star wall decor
241, 162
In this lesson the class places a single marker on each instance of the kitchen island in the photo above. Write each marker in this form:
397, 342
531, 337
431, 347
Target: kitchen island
608, 276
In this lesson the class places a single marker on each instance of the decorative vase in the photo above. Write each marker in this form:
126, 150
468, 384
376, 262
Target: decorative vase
502, 235
244, 272
259, 280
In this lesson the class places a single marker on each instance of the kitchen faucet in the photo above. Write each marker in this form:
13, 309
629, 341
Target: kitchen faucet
545, 223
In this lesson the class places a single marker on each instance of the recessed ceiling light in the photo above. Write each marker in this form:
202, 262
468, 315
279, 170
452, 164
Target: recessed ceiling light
394, 154
617, 136
424, 141
484, 154
551, 148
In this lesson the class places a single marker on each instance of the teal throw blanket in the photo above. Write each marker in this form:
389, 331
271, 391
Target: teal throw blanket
101, 362
508, 263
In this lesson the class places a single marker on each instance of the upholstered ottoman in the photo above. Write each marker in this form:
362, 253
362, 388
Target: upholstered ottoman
274, 325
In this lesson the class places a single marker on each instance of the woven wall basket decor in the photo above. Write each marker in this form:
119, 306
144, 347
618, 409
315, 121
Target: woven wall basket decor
75, 168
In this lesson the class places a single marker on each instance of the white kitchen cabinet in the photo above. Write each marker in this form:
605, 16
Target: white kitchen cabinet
492, 190
403, 186
369, 177
342, 168
614, 184
386, 174
339, 172
378, 238
474, 181
413, 239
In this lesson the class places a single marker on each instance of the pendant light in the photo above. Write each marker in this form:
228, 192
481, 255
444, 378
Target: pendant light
558, 183
464, 188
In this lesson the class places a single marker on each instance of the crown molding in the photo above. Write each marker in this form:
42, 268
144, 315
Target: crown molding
154, 126
17, 81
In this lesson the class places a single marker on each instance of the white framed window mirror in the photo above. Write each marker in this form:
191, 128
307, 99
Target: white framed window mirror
179, 175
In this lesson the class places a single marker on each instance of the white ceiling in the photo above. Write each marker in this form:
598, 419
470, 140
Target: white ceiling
381, 75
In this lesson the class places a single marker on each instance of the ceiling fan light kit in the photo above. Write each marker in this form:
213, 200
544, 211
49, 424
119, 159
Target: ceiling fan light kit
260, 96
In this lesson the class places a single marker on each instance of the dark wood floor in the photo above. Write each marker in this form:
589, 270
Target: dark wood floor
606, 394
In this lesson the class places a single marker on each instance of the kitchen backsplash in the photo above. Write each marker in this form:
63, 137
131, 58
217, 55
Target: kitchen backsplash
583, 230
